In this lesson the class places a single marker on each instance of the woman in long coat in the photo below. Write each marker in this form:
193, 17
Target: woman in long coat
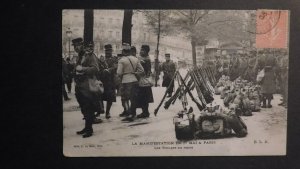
145, 95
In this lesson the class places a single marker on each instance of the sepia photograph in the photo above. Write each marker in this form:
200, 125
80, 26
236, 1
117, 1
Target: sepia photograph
164, 82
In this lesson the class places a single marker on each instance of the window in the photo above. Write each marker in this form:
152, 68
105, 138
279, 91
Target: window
145, 36
109, 20
118, 35
110, 34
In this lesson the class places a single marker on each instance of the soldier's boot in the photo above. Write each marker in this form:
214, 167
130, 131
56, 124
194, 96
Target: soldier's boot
81, 131
108, 106
145, 113
269, 103
125, 105
101, 109
88, 126
84, 129
264, 103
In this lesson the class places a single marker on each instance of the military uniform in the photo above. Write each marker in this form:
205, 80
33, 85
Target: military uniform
268, 87
283, 76
108, 75
251, 71
169, 69
145, 95
87, 100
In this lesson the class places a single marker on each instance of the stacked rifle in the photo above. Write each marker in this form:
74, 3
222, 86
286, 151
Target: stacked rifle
199, 78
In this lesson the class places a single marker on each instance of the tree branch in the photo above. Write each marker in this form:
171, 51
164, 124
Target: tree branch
182, 13
205, 13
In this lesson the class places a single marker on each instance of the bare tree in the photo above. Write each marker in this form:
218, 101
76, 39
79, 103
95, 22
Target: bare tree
200, 25
187, 21
158, 22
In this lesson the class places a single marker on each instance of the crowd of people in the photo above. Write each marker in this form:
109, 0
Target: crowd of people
273, 63
118, 75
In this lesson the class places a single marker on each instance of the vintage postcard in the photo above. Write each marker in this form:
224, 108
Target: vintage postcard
174, 82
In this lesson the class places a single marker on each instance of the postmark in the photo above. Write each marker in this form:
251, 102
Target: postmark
271, 28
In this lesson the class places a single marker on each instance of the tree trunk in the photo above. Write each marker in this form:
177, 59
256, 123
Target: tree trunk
88, 25
127, 25
157, 51
193, 43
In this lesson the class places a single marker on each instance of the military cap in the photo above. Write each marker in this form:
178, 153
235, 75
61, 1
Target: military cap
108, 47
167, 55
89, 44
126, 46
77, 41
145, 48
133, 49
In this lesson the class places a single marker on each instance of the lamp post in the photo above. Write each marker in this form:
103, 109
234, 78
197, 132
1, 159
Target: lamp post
69, 34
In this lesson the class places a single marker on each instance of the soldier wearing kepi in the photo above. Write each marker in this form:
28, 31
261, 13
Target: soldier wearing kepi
145, 95
169, 68
86, 68
109, 74
268, 87
128, 67
283, 75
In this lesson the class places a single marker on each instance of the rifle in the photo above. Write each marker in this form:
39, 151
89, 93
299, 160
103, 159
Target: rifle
176, 94
162, 100
197, 86
200, 107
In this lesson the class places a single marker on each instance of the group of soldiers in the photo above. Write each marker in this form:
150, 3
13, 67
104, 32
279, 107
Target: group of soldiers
274, 63
117, 74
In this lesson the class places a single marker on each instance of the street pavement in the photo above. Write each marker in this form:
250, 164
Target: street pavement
112, 137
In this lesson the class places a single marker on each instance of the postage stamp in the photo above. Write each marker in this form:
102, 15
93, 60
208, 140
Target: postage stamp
272, 28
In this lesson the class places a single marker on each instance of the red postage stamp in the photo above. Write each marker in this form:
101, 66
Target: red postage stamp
272, 28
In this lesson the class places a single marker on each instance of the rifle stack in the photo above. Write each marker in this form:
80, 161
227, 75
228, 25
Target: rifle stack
199, 78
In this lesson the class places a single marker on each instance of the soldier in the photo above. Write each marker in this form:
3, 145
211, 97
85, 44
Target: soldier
65, 77
225, 65
234, 65
145, 95
251, 71
283, 73
70, 67
169, 68
268, 87
79, 49
109, 75
86, 68
133, 51
128, 67
218, 67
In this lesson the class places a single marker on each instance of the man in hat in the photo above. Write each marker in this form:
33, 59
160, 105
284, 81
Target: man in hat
65, 77
109, 74
70, 68
145, 95
268, 88
218, 67
128, 67
282, 73
251, 71
133, 51
169, 69
86, 68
